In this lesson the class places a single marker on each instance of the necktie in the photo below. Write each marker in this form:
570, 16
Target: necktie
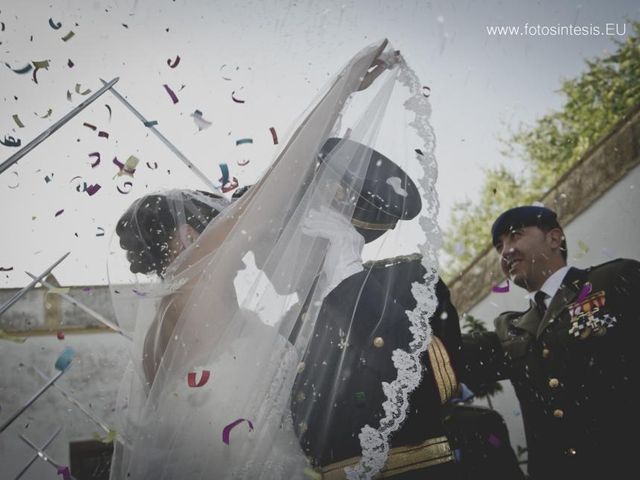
539, 299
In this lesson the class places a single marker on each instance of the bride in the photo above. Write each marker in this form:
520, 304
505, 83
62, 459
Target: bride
208, 389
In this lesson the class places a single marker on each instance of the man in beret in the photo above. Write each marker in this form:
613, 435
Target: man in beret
569, 356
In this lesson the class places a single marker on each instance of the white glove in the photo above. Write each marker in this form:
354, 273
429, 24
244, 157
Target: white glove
344, 254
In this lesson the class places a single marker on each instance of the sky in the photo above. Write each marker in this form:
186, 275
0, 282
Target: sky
275, 56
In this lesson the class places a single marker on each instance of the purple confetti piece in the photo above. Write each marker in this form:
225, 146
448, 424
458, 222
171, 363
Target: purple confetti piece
227, 430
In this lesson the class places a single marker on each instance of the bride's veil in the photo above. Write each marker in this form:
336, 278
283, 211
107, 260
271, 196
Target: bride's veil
245, 296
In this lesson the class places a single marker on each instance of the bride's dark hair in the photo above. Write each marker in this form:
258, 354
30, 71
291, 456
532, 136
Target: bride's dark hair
151, 222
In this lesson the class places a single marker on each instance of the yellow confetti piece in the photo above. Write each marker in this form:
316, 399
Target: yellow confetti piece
108, 438
41, 64
16, 119
584, 249
68, 36
59, 290
86, 92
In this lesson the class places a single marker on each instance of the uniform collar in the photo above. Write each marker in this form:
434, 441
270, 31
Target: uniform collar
552, 284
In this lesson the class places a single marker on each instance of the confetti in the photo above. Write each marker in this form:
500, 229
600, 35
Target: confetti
108, 438
233, 97
68, 95
16, 119
174, 63
225, 173
46, 115
230, 186
88, 125
584, 249
64, 471
6, 269
243, 141
92, 189
103, 134
68, 36
21, 71
9, 141
100, 232
150, 123
586, 290
191, 379
59, 212
499, 289
222, 68
155, 166
41, 64
242, 163
70, 64
200, 122
129, 186
97, 155
17, 181
128, 167
48, 178
60, 335
494, 441
86, 92
418, 151
174, 99
426, 91
54, 25
274, 135
227, 430
108, 108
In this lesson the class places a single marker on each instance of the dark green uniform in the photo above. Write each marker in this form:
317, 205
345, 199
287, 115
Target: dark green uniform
573, 372
355, 333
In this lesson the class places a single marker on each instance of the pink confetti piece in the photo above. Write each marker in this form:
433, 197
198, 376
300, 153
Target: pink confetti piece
191, 379
227, 430
174, 63
64, 471
88, 125
233, 97
70, 63
233, 184
59, 212
586, 290
494, 440
103, 134
97, 162
274, 135
92, 189
174, 99
499, 289
60, 335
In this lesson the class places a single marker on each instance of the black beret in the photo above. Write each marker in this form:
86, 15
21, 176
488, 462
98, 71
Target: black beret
519, 217
387, 194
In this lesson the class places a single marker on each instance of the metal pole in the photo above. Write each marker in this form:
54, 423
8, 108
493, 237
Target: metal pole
48, 132
42, 455
30, 401
9, 303
35, 457
81, 306
164, 140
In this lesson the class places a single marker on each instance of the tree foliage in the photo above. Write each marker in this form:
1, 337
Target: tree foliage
593, 103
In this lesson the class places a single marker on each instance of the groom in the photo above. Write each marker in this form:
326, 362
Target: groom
360, 323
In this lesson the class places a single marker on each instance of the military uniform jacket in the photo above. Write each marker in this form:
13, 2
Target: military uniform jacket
573, 372
355, 333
